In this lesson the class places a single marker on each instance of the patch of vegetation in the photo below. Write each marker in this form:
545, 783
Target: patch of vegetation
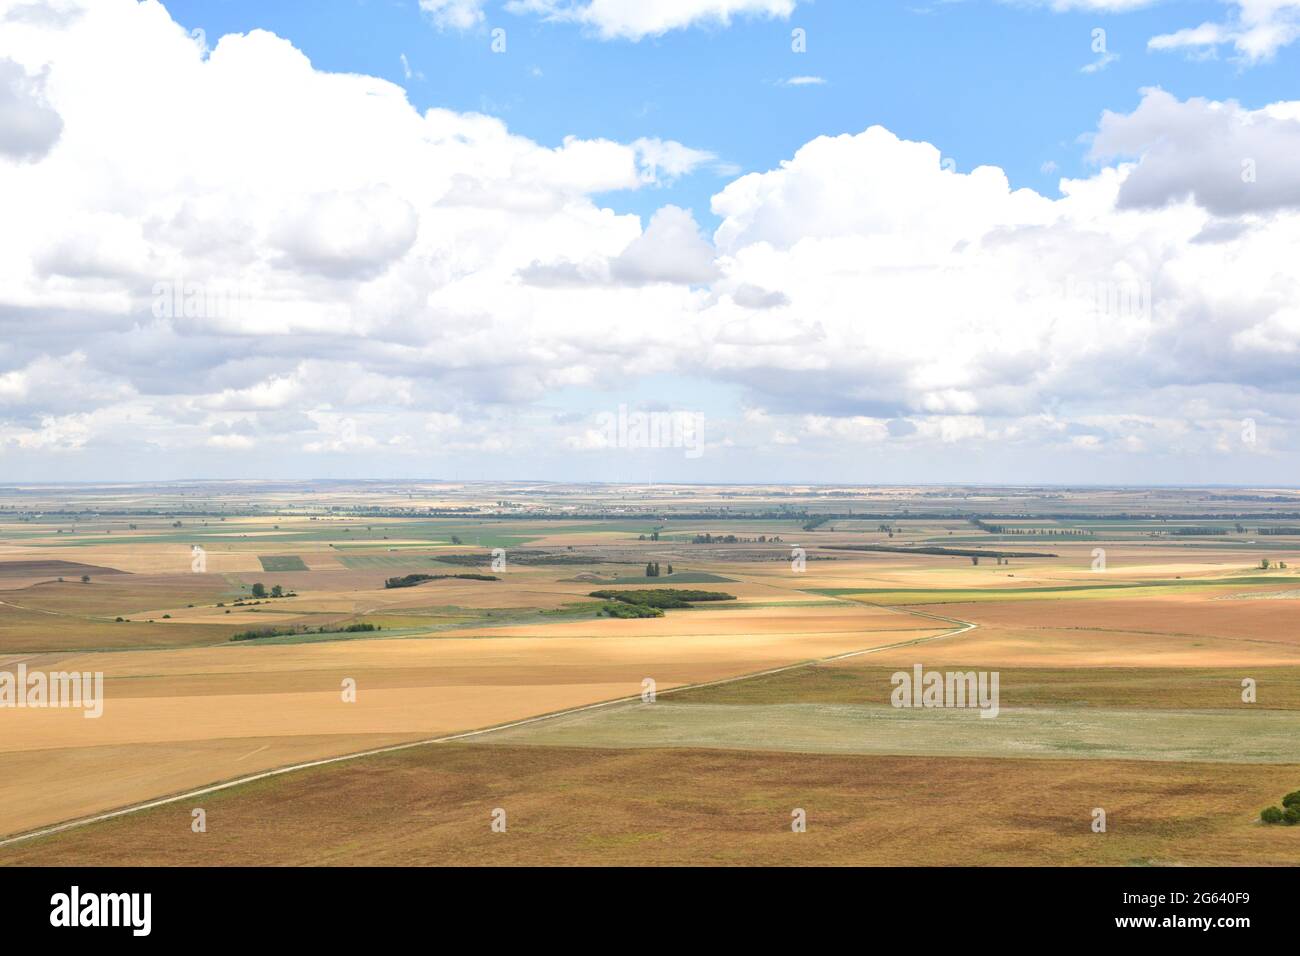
624, 610
708, 538
1287, 815
259, 591
294, 632
662, 597
411, 580
282, 562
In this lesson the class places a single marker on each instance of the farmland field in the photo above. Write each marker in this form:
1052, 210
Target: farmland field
1161, 679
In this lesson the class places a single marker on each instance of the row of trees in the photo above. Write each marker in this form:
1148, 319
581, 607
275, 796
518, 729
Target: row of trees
707, 538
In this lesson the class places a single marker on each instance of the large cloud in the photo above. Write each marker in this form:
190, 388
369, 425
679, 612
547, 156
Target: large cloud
236, 255
946, 293
1230, 160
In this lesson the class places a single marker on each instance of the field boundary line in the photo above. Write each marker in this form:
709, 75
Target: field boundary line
964, 627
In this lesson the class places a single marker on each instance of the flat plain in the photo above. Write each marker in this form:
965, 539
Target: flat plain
244, 629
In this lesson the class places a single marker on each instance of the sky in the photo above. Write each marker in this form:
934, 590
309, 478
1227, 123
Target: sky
651, 240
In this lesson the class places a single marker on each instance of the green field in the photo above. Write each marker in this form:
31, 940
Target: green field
385, 562
282, 562
1182, 688
1222, 736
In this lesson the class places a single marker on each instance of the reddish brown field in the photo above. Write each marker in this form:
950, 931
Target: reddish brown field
50, 569
433, 806
1193, 615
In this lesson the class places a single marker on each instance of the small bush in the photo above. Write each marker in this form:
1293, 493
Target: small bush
1292, 799
1270, 815
1291, 816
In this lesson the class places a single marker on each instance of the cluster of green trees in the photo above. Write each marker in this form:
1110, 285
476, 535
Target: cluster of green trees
707, 538
652, 569
259, 591
292, 632
619, 609
1039, 532
1288, 814
662, 597
411, 580
1265, 564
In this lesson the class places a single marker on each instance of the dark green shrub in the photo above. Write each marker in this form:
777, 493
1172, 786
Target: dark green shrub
1291, 816
662, 597
411, 580
619, 609
1270, 815
1292, 799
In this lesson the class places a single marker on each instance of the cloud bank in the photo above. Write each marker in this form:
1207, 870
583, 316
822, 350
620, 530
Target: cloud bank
232, 260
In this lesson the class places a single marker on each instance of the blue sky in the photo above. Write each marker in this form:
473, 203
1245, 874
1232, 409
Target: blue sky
986, 82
